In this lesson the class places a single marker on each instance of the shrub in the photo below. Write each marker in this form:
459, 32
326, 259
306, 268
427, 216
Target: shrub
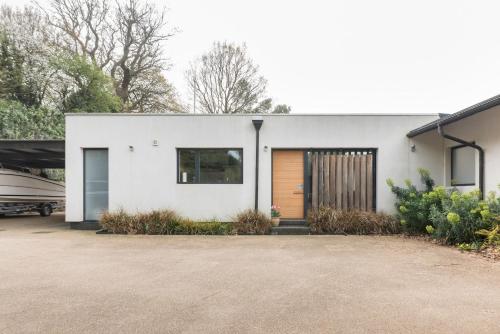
459, 216
450, 216
413, 205
492, 236
326, 220
252, 222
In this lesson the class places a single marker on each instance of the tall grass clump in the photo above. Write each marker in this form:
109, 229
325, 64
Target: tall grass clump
326, 220
213, 227
252, 222
158, 222
119, 222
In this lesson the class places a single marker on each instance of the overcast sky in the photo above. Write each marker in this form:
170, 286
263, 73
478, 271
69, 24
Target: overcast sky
351, 56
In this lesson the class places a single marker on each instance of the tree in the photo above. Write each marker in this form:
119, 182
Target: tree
124, 39
156, 95
24, 71
20, 122
282, 109
226, 81
88, 90
11, 72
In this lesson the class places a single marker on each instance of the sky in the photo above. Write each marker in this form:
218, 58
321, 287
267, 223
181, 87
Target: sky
349, 56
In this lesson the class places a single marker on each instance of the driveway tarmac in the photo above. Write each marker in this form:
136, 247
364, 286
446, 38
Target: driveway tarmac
57, 280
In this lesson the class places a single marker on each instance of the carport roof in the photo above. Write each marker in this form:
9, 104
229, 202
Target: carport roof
32, 153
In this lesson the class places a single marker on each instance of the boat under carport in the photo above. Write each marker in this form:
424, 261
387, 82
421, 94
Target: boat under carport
24, 187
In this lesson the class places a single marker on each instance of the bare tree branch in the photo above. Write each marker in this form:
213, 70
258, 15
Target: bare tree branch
226, 81
126, 40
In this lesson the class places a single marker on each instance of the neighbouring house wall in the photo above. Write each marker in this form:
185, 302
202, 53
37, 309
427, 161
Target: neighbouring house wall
484, 129
428, 154
146, 178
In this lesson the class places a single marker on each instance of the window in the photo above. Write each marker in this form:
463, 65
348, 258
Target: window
463, 166
210, 165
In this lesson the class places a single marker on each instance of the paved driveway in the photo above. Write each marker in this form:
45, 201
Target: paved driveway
56, 280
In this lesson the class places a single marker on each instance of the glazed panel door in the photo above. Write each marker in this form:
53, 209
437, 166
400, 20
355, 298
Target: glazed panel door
95, 183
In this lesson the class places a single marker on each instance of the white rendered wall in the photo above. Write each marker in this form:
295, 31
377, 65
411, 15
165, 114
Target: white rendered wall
146, 178
428, 154
484, 129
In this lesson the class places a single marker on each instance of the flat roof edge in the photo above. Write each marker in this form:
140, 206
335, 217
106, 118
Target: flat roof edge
249, 115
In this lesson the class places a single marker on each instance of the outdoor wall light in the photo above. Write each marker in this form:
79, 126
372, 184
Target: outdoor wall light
131, 148
257, 122
413, 148
266, 148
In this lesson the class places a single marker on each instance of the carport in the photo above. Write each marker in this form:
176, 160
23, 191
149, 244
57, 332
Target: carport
32, 153
32, 193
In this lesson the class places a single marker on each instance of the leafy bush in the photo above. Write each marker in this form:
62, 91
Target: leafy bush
252, 222
413, 205
159, 222
466, 219
492, 237
459, 217
326, 220
450, 216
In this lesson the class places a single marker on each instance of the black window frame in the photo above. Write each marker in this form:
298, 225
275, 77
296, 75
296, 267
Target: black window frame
452, 170
197, 165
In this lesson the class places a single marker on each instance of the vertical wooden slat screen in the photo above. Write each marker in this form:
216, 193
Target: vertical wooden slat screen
342, 179
345, 175
326, 180
333, 165
350, 181
369, 182
338, 188
314, 173
321, 179
363, 183
357, 181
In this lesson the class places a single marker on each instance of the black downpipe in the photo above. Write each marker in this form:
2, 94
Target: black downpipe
477, 147
257, 123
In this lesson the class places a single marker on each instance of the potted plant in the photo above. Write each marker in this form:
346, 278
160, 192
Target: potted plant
275, 215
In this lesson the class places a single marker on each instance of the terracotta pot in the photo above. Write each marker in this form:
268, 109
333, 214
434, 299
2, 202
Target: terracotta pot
275, 221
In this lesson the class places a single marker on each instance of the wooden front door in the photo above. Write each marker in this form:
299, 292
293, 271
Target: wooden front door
288, 183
